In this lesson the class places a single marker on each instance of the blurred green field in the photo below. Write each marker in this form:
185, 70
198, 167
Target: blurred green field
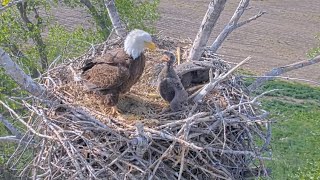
296, 133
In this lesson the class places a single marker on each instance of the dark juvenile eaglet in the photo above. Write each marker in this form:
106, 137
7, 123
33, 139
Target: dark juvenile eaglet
170, 86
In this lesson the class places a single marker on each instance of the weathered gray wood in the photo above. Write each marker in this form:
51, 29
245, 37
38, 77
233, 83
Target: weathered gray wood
280, 70
115, 18
233, 24
212, 15
243, 4
9, 139
10, 127
17, 74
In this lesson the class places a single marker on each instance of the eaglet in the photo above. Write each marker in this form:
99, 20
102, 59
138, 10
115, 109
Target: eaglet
170, 86
116, 71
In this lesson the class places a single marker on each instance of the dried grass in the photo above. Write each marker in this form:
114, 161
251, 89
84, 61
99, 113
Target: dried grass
223, 137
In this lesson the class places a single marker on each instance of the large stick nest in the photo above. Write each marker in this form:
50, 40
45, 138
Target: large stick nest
223, 137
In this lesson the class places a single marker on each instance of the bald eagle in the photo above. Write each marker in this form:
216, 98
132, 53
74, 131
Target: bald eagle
116, 71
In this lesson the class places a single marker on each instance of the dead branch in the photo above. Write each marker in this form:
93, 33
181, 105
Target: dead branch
9, 139
10, 127
209, 20
21, 78
115, 18
251, 19
233, 24
281, 70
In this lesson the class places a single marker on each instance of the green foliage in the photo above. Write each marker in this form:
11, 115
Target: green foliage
5, 2
315, 51
69, 44
12, 30
141, 15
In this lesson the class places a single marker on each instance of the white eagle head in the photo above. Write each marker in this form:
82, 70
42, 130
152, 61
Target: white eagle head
136, 41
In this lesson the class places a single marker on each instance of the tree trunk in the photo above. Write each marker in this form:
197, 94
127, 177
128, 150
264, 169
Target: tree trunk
213, 13
115, 18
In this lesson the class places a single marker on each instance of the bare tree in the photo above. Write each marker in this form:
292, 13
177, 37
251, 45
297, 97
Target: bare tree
233, 24
213, 13
115, 18
209, 20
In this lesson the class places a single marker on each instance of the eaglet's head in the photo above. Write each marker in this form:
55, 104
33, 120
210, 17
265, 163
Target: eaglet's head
168, 57
136, 41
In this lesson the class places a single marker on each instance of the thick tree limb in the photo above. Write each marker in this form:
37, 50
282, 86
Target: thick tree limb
233, 24
13, 139
280, 70
115, 18
8, 139
9, 126
17, 74
213, 13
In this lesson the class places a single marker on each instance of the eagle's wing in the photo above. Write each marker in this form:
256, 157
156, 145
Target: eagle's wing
105, 77
114, 56
107, 72
166, 89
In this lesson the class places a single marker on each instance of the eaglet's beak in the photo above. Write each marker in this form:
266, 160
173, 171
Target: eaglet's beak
150, 45
165, 58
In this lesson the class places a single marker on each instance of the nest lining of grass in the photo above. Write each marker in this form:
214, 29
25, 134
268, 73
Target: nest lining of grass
223, 137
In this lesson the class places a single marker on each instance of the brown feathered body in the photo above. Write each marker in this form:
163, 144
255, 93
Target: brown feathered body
113, 73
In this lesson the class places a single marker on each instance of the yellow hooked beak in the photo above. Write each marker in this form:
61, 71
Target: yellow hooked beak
150, 45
